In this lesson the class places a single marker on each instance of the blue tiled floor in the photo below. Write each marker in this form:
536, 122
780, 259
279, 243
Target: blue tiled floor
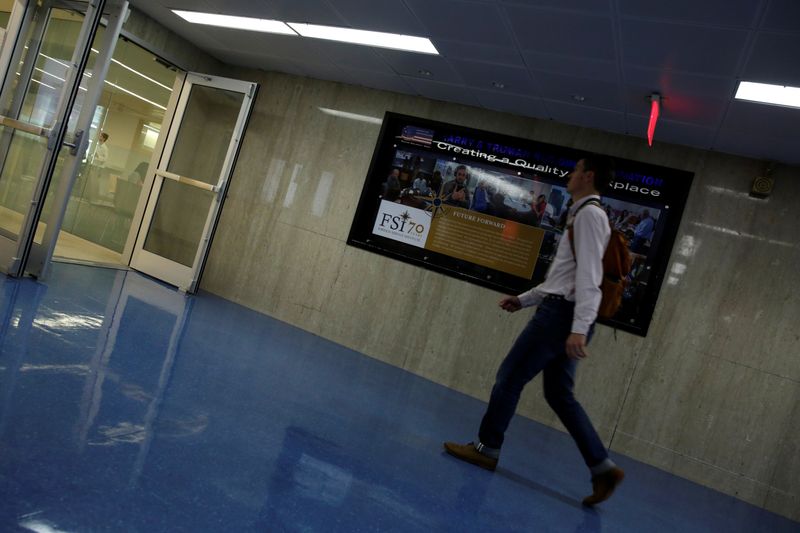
126, 406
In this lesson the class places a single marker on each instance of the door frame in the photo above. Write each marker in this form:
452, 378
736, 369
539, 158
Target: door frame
181, 276
15, 252
41, 255
147, 185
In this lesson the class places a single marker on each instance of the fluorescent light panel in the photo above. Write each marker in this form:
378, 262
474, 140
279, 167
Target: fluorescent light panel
238, 23
379, 39
394, 41
769, 94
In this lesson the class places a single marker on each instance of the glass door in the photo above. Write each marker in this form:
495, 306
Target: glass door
191, 179
43, 110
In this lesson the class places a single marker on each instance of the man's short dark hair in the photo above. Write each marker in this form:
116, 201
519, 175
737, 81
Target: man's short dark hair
603, 168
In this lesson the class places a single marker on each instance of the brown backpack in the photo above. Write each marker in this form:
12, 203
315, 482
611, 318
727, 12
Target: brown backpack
616, 266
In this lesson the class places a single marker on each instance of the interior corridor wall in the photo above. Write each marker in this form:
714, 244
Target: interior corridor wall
711, 394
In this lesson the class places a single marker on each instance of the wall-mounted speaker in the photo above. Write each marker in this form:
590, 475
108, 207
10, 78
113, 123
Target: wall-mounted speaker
762, 187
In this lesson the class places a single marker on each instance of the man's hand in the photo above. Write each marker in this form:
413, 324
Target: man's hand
510, 304
576, 346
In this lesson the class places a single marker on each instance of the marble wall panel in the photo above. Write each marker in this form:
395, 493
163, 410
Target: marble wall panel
290, 274
694, 408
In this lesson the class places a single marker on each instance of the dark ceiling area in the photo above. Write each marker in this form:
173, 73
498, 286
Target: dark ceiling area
590, 63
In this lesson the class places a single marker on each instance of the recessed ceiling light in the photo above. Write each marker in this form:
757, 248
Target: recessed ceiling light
238, 23
498, 85
765, 93
395, 41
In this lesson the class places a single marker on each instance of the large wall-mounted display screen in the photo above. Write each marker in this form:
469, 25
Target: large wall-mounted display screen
490, 209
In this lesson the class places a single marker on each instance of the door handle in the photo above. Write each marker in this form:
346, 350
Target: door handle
75, 145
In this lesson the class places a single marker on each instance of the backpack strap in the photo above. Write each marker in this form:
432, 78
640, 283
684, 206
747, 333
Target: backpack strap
570, 233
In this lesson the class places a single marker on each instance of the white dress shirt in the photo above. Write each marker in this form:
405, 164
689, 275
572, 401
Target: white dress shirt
577, 280
100, 155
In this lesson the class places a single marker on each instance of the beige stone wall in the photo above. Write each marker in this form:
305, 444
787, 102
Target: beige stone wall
712, 394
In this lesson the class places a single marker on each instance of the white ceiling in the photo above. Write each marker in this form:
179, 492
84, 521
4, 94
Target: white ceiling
613, 53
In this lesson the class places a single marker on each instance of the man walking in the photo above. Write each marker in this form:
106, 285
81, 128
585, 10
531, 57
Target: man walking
556, 337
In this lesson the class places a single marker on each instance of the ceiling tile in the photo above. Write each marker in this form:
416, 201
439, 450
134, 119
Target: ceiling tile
461, 20
202, 6
484, 75
741, 13
443, 91
564, 33
511, 103
479, 52
682, 47
310, 11
671, 83
355, 57
382, 15
194, 33
595, 93
594, 69
687, 97
688, 108
775, 59
586, 116
782, 15
595, 6
374, 80
759, 147
673, 132
760, 119
286, 46
415, 65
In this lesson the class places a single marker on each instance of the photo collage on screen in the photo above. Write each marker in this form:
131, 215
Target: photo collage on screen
416, 176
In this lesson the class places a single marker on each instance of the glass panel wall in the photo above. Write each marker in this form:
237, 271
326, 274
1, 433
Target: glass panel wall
126, 124
198, 153
23, 160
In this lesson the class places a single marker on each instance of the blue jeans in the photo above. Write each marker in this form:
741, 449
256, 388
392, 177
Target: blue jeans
541, 348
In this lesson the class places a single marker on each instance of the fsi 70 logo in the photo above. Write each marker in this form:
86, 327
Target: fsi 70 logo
402, 223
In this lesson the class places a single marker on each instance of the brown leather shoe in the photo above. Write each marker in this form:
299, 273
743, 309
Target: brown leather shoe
468, 453
603, 486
